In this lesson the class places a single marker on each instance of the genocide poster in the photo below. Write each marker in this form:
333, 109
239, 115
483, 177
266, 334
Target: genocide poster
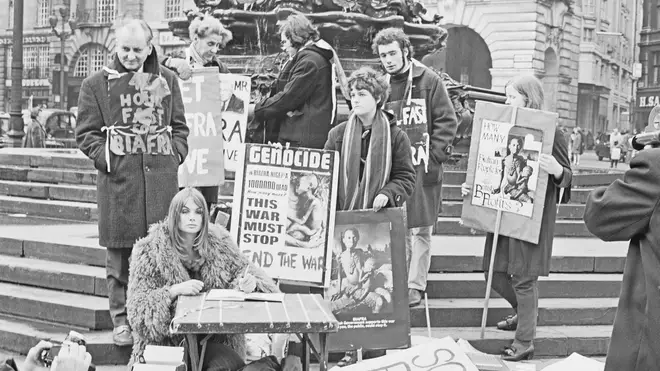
368, 291
234, 100
436, 355
204, 165
284, 208
136, 104
504, 172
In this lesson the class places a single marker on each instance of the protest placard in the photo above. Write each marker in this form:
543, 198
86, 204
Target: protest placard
204, 165
436, 355
368, 289
504, 172
234, 100
412, 119
136, 105
284, 207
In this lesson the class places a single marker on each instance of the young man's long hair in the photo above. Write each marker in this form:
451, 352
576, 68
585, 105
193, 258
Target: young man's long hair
173, 216
299, 30
389, 35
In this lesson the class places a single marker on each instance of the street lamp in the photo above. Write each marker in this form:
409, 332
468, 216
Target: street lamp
62, 34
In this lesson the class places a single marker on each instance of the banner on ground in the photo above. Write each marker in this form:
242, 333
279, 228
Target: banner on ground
283, 213
368, 289
204, 165
504, 172
437, 355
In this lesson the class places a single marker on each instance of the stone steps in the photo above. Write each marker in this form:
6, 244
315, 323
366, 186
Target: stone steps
550, 341
451, 226
48, 175
552, 312
68, 192
20, 334
558, 285
85, 311
69, 210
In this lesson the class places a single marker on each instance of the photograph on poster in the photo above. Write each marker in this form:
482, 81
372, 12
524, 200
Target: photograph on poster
361, 276
306, 224
507, 169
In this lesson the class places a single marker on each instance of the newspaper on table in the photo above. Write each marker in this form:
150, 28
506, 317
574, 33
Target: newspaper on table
284, 209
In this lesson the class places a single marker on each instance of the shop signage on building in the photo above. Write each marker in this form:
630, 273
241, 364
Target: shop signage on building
650, 101
167, 38
35, 39
31, 82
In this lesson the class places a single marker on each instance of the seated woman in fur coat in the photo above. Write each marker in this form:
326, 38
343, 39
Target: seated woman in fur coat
185, 255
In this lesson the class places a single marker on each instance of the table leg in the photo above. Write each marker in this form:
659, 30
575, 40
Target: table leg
323, 352
193, 351
305, 353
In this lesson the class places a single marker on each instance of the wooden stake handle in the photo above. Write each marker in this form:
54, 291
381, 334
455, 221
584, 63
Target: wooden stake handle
489, 283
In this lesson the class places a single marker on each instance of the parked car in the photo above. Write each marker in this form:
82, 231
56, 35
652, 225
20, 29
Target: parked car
60, 127
602, 148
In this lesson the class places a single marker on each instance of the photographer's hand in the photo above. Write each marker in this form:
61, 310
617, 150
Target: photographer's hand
32, 361
72, 357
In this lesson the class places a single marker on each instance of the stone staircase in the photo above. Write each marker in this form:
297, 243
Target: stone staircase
52, 277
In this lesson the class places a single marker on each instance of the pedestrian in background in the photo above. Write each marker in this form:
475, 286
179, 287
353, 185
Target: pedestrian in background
518, 264
35, 134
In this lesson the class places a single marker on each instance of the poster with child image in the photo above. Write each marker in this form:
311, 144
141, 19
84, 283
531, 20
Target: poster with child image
503, 169
284, 208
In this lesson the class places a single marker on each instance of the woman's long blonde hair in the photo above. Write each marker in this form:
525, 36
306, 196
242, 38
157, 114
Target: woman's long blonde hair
530, 88
176, 206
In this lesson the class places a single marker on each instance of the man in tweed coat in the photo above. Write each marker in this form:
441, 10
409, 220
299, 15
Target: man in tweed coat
135, 181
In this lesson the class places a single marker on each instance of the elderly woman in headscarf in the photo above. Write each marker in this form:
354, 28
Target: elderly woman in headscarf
35, 134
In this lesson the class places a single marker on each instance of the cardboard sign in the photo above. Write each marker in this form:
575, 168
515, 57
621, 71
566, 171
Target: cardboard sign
234, 101
368, 289
438, 355
136, 103
504, 171
412, 119
204, 165
284, 209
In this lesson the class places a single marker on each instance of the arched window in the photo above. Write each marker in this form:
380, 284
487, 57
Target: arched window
91, 59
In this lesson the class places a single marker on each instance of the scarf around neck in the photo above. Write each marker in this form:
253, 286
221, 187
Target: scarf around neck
356, 193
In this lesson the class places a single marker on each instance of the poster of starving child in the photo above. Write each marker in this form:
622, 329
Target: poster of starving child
284, 209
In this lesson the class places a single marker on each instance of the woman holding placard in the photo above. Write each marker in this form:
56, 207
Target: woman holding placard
518, 264
208, 36
376, 168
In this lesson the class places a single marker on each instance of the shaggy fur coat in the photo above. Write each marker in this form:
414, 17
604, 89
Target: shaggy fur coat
155, 267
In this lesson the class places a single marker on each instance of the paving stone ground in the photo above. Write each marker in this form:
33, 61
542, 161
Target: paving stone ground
540, 363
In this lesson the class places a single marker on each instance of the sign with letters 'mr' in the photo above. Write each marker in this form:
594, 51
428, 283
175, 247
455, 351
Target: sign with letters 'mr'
284, 209
204, 165
234, 100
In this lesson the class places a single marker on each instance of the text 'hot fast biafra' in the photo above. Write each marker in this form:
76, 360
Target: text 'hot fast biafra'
262, 224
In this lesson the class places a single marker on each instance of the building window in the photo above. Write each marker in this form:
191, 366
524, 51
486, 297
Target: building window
588, 35
173, 9
655, 77
106, 11
90, 60
36, 61
43, 12
604, 11
11, 13
589, 7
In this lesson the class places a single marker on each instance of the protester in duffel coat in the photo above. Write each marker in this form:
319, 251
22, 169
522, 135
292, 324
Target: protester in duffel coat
185, 255
133, 190
518, 264
628, 210
304, 108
